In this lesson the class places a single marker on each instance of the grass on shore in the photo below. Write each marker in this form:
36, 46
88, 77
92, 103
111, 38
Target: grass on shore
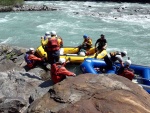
11, 2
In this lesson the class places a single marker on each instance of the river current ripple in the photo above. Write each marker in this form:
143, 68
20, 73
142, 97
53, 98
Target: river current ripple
125, 25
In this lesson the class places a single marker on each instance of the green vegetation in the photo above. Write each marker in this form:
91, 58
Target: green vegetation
11, 2
9, 56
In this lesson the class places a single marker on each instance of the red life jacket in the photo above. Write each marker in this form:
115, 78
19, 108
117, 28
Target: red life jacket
128, 74
52, 44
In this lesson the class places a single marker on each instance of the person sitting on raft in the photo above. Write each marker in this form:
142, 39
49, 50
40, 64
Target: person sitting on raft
59, 72
126, 71
32, 60
86, 45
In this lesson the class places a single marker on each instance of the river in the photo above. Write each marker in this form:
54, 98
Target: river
125, 26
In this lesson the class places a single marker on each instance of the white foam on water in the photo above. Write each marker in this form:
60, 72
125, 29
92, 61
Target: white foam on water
2, 20
4, 41
5, 18
60, 24
123, 31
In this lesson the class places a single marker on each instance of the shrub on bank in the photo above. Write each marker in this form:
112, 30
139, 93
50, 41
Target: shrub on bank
11, 2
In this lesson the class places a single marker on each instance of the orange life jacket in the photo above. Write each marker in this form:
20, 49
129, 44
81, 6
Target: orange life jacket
52, 44
59, 72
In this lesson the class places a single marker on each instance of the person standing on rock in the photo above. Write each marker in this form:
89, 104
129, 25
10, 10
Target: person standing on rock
52, 47
32, 60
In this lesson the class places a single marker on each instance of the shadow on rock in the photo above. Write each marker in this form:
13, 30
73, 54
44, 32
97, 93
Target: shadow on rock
30, 76
47, 83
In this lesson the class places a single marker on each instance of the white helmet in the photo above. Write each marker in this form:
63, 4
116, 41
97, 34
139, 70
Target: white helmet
125, 53
62, 60
127, 62
82, 53
31, 49
53, 32
47, 33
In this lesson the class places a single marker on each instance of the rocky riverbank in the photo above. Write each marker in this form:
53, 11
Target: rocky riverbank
130, 1
19, 86
28, 8
32, 91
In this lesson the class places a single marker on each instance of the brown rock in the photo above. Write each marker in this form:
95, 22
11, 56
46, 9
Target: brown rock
88, 93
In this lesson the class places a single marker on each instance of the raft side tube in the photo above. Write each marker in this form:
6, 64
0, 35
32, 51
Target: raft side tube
89, 65
143, 71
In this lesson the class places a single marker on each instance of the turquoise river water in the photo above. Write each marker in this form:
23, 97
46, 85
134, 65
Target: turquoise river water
126, 26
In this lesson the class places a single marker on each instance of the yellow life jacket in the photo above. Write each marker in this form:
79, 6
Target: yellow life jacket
113, 54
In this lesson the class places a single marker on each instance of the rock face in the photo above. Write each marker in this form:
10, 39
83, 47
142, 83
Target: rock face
88, 93
31, 91
11, 57
18, 85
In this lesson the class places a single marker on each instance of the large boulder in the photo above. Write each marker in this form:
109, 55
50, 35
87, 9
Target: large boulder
89, 93
19, 89
11, 105
19, 86
11, 57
